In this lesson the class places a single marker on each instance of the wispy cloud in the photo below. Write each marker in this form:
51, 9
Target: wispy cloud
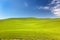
26, 4
53, 2
54, 9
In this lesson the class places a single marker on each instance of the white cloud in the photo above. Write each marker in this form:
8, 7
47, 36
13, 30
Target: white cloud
54, 9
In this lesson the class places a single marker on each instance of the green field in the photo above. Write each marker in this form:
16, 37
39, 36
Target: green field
30, 28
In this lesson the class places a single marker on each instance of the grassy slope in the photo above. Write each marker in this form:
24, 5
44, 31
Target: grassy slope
30, 28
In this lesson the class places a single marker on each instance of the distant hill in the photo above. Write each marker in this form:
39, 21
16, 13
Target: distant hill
29, 23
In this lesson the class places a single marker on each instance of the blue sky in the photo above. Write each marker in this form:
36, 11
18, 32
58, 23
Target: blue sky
29, 8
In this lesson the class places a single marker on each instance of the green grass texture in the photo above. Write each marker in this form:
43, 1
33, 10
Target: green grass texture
30, 28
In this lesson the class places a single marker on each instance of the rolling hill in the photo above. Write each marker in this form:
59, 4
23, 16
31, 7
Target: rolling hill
30, 28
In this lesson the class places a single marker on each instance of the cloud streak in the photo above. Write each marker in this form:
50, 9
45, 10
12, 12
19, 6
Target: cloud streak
45, 7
